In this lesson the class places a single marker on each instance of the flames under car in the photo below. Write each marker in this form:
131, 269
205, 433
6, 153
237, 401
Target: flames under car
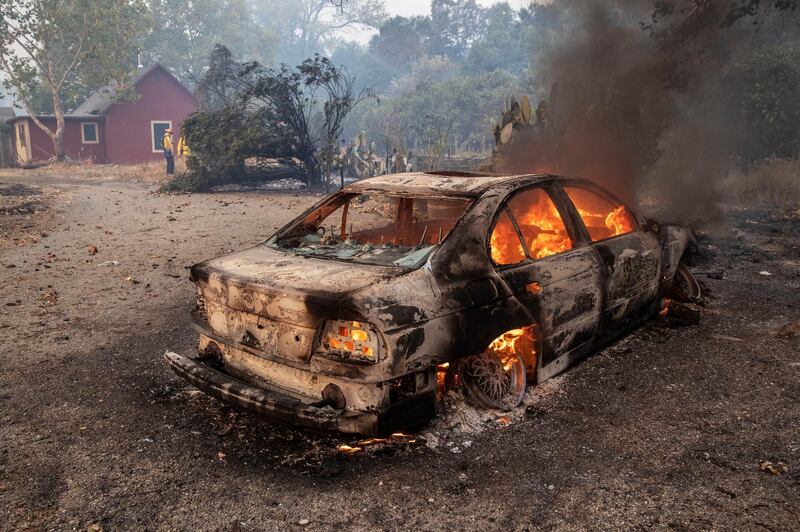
359, 312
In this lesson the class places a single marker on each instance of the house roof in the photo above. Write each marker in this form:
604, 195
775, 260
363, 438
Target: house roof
70, 116
100, 100
6, 113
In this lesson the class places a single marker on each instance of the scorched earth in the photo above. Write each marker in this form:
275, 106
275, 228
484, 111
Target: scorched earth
689, 427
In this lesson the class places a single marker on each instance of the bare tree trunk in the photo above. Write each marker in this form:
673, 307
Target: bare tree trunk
58, 138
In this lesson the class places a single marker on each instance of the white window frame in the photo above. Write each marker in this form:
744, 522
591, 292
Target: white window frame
96, 133
153, 133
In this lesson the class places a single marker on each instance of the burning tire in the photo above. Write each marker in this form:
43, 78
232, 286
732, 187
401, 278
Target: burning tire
494, 380
685, 287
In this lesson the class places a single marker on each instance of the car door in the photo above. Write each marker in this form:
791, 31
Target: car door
630, 257
548, 267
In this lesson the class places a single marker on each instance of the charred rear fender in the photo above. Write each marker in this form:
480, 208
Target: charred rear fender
675, 241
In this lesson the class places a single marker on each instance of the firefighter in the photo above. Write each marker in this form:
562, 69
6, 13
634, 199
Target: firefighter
182, 152
183, 148
166, 142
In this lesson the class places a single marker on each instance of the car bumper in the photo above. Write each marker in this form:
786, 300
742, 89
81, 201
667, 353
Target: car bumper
290, 410
275, 405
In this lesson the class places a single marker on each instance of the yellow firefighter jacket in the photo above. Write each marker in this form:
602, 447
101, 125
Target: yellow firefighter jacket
183, 148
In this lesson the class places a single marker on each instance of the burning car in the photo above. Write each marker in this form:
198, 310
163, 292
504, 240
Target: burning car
356, 314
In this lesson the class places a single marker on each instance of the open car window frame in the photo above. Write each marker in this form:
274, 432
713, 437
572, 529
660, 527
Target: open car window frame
589, 186
323, 210
554, 194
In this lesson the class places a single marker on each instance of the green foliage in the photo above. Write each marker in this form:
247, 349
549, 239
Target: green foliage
461, 106
184, 33
456, 64
455, 26
283, 115
368, 70
308, 27
72, 96
761, 94
220, 140
65, 48
400, 41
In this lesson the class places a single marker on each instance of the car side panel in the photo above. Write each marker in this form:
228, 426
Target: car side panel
632, 267
564, 293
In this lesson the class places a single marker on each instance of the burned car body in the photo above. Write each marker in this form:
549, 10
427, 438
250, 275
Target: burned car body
343, 318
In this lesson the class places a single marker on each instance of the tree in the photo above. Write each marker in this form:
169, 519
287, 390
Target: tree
425, 71
455, 25
687, 28
401, 40
460, 108
184, 33
305, 27
502, 45
293, 116
367, 68
760, 94
57, 44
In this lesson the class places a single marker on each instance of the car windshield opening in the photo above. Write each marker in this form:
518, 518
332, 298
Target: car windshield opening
373, 229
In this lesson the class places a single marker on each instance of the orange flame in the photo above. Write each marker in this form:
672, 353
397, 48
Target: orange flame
620, 221
508, 345
544, 232
550, 236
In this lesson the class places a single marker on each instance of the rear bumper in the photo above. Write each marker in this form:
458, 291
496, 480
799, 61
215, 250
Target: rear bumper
293, 411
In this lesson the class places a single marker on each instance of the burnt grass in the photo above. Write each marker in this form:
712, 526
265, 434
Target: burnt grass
666, 428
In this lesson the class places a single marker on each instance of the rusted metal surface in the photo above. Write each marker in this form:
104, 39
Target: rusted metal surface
463, 184
263, 309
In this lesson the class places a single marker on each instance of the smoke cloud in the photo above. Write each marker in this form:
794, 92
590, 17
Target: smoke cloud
620, 113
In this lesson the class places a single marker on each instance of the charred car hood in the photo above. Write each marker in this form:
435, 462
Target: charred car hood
287, 287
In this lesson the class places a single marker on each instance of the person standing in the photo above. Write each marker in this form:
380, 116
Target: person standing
182, 150
166, 142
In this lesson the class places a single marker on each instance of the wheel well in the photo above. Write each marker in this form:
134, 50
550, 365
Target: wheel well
525, 341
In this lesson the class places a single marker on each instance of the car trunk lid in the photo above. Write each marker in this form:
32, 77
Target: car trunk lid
272, 301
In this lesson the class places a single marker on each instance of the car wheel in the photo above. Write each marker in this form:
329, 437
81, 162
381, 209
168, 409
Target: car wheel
494, 380
685, 287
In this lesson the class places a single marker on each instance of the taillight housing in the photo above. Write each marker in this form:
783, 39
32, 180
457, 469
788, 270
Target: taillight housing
350, 340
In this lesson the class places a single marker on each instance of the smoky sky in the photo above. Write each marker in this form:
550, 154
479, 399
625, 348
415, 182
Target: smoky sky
623, 111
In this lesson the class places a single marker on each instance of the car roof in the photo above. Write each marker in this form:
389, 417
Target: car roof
445, 183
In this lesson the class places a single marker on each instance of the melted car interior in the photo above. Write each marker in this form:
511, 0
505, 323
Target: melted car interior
374, 229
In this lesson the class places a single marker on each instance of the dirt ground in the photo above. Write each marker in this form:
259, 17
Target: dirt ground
668, 428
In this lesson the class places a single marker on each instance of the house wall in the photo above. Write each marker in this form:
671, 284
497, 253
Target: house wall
128, 123
41, 147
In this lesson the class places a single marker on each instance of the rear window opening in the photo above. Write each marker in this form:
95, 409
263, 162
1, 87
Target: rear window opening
603, 218
373, 229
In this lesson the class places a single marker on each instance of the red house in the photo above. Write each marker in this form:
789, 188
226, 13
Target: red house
107, 132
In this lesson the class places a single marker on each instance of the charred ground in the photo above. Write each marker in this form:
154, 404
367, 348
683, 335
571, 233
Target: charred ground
667, 427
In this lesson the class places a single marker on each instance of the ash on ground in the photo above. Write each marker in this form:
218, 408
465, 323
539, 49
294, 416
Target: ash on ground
459, 420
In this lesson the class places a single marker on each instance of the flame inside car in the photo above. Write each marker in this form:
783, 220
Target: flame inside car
534, 216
